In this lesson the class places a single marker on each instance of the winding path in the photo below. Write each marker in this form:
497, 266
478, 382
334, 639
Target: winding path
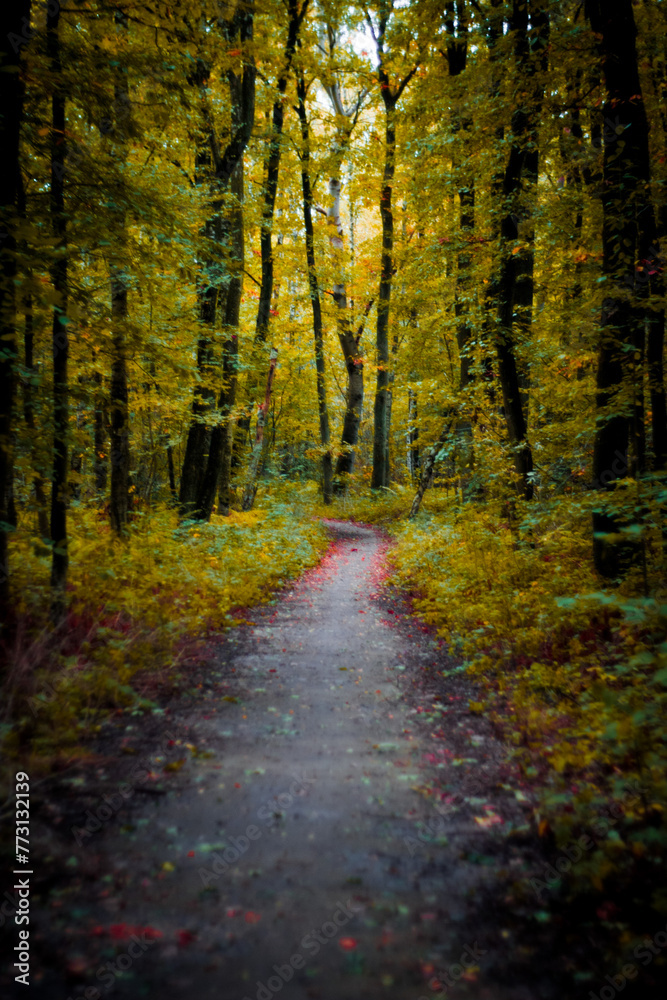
296, 850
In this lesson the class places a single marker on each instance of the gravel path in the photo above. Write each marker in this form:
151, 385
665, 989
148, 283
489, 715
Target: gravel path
322, 821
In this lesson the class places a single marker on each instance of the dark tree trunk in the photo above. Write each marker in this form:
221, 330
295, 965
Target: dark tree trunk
515, 282
428, 468
390, 97
100, 437
199, 432
172, 473
60, 340
119, 424
205, 465
624, 205
39, 484
218, 466
258, 450
380, 474
216, 473
30, 377
412, 439
274, 149
119, 436
316, 305
13, 19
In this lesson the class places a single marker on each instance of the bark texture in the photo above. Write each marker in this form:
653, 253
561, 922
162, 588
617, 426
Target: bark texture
12, 20
59, 333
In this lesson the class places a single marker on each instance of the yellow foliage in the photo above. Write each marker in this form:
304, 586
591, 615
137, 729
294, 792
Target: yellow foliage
134, 605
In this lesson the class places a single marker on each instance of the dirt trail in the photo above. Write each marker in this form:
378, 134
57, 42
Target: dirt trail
297, 851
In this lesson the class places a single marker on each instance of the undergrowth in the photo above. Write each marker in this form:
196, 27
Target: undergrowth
574, 673
134, 608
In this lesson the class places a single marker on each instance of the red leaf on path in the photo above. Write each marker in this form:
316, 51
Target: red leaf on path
191, 854
185, 938
121, 932
236, 784
252, 918
354, 550
347, 943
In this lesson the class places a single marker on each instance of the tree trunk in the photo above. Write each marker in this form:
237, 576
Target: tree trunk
272, 171
99, 437
13, 19
316, 305
256, 459
60, 340
171, 473
625, 174
380, 475
515, 282
217, 476
39, 483
119, 436
412, 437
216, 472
199, 432
428, 467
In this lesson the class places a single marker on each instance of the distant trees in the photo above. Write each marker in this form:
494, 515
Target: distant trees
181, 198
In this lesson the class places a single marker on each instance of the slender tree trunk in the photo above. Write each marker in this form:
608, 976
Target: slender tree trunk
13, 19
199, 433
171, 471
625, 172
119, 437
39, 483
316, 305
119, 424
515, 284
412, 437
213, 284
380, 474
256, 459
428, 468
217, 474
274, 150
349, 342
60, 340
216, 471
100, 421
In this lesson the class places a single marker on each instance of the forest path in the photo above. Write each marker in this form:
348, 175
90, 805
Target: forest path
289, 850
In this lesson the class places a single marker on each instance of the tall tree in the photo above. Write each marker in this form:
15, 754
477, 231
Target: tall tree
295, 13
390, 93
119, 436
60, 338
14, 34
313, 286
346, 116
530, 26
242, 93
622, 322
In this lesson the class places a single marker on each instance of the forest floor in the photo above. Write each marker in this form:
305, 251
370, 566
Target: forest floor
319, 815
